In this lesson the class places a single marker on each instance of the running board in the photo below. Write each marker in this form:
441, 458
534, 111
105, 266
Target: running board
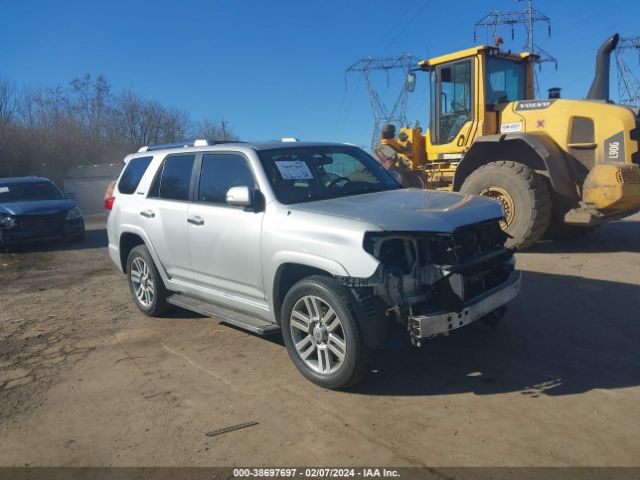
225, 315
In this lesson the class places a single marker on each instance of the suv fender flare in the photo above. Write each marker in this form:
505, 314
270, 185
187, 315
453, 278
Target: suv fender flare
535, 150
309, 260
135, 230
271, 276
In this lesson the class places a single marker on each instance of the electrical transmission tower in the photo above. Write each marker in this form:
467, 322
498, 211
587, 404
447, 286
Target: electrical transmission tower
628, 84
527, 17
382, 113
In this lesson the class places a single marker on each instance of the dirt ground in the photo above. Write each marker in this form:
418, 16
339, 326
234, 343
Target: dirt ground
86, 379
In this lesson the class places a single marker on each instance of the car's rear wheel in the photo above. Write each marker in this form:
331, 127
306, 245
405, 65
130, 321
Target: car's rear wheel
145, 282
321, 332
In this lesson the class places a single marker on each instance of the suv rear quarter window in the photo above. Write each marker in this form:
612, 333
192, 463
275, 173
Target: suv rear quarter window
174, 178
132, 174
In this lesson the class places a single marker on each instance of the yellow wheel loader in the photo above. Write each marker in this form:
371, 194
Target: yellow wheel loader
557, 165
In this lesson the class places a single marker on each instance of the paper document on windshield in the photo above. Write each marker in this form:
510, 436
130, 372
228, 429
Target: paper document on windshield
294, 170
4, 189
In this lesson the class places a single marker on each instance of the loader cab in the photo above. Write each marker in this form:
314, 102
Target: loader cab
452, 102
468, 89
505, 81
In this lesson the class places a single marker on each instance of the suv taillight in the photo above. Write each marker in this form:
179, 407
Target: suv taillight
108, 202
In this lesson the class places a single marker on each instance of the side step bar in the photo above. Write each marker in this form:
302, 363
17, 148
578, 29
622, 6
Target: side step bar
225, 315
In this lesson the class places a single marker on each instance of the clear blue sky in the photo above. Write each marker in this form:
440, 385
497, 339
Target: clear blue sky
276, 68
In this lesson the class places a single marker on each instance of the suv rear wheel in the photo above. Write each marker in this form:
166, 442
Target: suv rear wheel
145, 282
322, 335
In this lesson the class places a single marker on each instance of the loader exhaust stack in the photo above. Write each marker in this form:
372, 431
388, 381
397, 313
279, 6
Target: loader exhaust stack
600, 86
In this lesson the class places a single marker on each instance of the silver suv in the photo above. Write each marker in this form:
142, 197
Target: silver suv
314, 240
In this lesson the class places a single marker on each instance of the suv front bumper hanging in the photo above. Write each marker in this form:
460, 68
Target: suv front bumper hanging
439, 323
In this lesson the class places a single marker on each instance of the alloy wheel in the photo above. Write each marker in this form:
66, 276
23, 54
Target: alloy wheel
142, 282
318, 334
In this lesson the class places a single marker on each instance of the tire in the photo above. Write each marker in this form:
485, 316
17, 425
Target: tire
414, 179
324, 341
142, 272
530, 199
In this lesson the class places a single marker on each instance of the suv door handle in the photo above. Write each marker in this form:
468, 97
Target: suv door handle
148, 213
195, 220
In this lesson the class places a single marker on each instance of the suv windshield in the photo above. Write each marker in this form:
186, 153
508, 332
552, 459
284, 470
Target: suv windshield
306, 174
505, 81
29, 192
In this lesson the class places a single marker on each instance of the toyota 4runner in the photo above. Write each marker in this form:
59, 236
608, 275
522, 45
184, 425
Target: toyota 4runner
316, 240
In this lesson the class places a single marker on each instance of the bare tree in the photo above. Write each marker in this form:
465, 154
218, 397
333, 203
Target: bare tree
214, 130
92, 104
129, 125
8, 102
48, 130
143, 122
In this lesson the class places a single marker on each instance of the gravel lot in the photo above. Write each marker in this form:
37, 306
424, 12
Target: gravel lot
85, 379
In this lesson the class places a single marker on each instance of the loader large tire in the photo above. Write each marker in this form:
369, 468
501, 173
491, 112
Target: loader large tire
525, 198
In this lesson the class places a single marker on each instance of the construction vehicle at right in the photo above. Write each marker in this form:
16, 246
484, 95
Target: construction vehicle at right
559, 167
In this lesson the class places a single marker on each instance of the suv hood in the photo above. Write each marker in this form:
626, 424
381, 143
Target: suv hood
42, 207
409, 210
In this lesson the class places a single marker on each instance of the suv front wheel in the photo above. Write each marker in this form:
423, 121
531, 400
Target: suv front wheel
145, 282
321, 332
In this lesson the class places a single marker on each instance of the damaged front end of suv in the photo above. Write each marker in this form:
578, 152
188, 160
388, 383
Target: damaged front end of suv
433, 283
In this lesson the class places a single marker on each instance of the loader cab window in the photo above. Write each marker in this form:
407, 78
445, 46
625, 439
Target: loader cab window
451, 90
505, 81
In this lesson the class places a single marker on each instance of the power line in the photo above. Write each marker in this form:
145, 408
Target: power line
394, 27
407, 25
383, 113
528, 17
628, 84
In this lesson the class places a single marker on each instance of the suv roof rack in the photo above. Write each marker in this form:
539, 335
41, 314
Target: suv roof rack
200, 142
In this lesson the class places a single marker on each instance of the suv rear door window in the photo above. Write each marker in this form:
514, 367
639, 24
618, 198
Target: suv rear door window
174, 180
219, 173
132, 175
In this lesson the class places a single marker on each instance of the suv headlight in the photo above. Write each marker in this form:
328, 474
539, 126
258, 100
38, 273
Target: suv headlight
74, 213
7, 221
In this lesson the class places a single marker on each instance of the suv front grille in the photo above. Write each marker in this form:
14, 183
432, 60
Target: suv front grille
476, 260
467, 243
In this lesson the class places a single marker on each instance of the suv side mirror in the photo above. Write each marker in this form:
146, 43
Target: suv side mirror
71, 195
239, 196
410, 84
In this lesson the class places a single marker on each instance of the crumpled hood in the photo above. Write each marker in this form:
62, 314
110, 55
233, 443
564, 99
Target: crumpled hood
409, 210
42, 207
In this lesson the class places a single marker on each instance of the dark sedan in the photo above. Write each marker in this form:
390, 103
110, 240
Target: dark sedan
34, 208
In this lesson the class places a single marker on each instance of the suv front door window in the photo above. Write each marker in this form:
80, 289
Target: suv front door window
224, 241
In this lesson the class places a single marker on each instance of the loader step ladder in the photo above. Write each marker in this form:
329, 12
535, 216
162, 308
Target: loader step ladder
240, 320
